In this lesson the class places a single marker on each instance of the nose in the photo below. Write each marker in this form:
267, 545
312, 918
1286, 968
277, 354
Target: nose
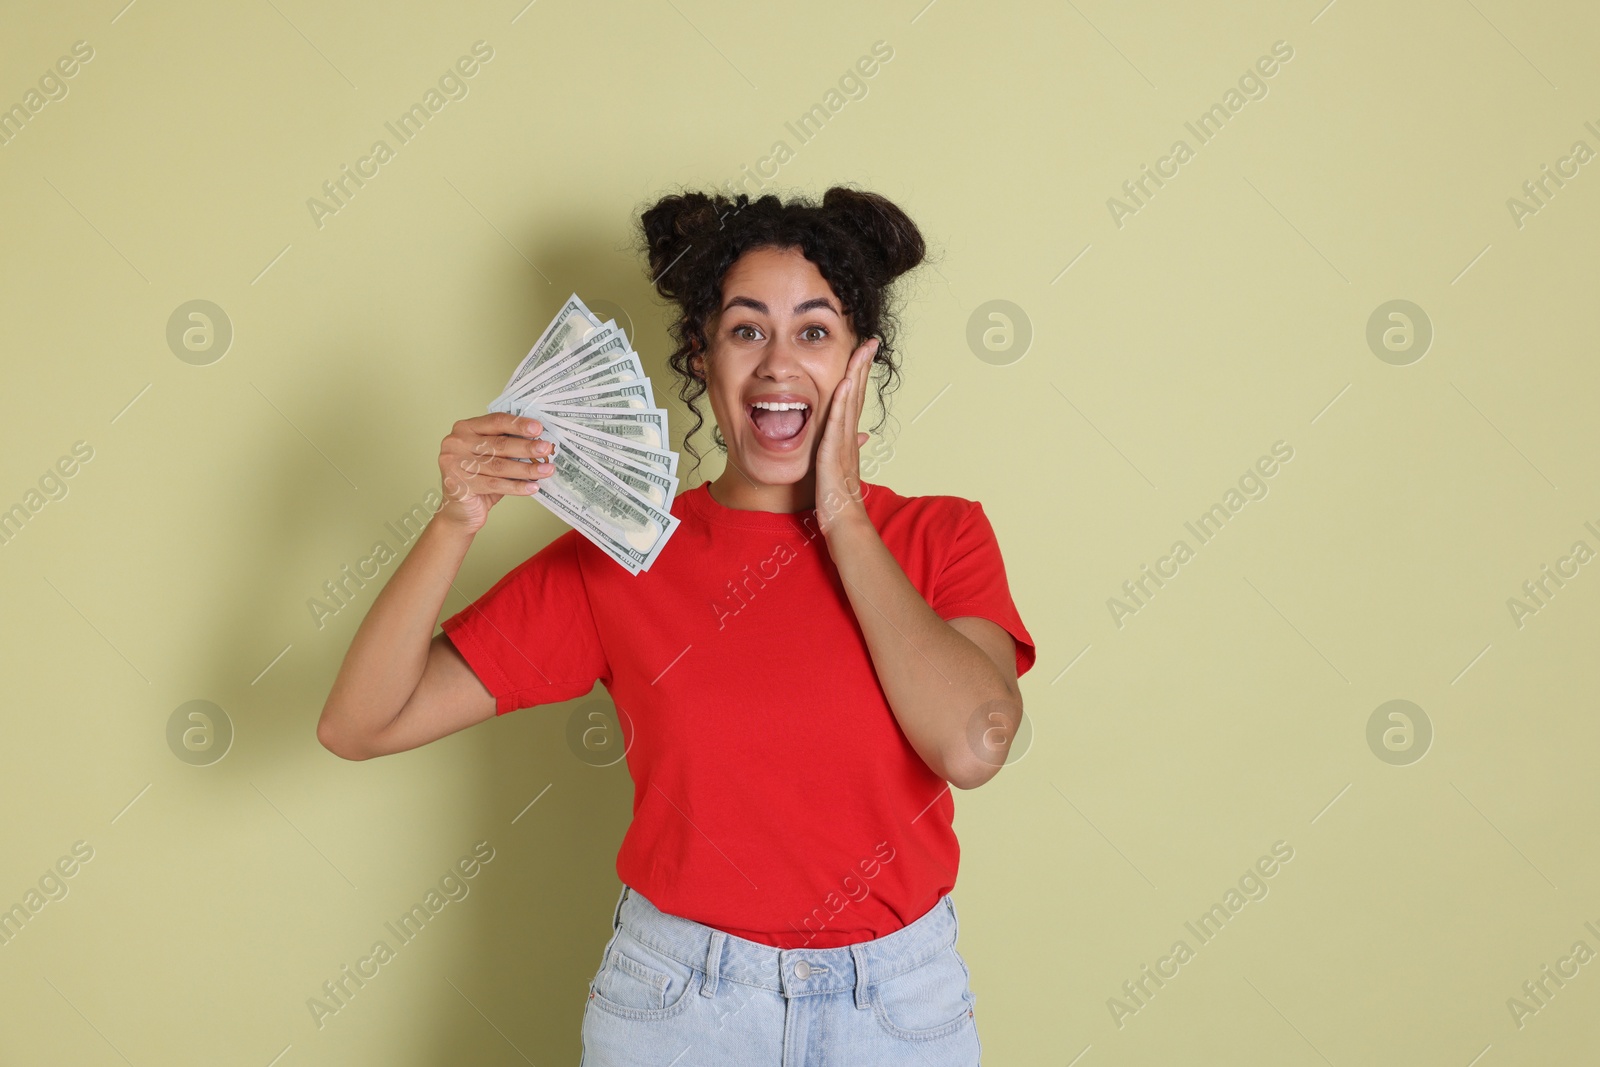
779, 361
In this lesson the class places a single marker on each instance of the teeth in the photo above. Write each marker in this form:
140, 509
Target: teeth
773, 406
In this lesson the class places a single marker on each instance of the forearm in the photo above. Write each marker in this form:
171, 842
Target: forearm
387, 656
936, 680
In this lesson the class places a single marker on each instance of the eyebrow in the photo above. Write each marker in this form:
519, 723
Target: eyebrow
799, 309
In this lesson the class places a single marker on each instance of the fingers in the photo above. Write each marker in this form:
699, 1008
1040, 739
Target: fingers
490, 474
495, 455
841, 422
483, 485
856, 370
841, 398
514, 469
512, 448
858, 388
830, 421
866, 353
866, 364
849, 394
498, 433
511, 436
859, 370
500, 422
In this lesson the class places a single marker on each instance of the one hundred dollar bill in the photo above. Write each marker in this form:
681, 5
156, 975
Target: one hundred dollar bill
606, 345
523, 385
626, 369
626, 525
651, 483
573, 324
661, 460
636, 395
615, 477
647, 426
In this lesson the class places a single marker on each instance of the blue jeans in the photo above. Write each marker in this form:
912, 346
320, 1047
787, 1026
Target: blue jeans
673, 991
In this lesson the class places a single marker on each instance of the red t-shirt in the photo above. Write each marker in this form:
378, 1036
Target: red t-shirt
775, 796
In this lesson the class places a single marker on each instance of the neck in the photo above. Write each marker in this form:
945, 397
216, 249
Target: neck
733, 489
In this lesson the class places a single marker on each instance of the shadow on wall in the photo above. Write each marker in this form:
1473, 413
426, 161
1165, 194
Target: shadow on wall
537, 939
504, 979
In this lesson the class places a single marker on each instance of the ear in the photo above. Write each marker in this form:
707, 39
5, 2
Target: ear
697, 366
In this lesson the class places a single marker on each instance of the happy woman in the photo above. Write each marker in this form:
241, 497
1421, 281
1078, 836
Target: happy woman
809, 666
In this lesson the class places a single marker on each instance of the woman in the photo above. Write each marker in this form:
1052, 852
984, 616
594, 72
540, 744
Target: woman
807, 668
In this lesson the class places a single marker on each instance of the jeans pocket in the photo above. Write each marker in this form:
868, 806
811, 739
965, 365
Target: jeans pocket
637, 982
927, 1002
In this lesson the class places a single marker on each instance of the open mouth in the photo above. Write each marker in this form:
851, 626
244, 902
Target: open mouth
779, 423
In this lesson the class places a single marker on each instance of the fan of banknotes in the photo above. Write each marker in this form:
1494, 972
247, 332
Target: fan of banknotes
615, 475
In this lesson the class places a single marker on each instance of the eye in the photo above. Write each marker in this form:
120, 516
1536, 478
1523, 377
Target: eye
820, 329
746, 326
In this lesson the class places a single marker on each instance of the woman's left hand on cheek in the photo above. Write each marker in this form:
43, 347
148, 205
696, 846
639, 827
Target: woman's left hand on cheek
838, 487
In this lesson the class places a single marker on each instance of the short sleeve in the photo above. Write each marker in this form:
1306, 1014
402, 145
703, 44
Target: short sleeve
972, 581
531, 639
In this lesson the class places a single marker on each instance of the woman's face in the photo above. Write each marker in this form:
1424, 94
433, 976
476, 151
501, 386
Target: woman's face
779, 341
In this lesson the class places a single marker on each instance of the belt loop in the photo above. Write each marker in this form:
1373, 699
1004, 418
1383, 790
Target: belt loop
860, 956
708, 988
616, 916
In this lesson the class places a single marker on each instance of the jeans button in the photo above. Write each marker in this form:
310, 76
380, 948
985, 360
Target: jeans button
802, 969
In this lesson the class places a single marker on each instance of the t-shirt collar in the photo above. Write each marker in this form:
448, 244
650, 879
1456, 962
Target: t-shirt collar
700, 502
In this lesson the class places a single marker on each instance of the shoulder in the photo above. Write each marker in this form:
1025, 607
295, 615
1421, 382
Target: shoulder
935, 517
882, 500
560, 558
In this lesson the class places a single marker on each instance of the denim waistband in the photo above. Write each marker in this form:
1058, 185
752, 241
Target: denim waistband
793, 972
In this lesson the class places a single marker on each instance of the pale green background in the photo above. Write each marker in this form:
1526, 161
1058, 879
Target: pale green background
1227, 314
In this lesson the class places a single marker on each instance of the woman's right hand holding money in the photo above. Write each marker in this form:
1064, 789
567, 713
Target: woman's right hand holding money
482, 460
402, 685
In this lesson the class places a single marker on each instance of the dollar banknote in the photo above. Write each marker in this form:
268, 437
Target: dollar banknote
632, 530
570, 328
615, 471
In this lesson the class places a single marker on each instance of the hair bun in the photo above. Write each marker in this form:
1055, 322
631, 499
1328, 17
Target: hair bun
671, 225
886, 231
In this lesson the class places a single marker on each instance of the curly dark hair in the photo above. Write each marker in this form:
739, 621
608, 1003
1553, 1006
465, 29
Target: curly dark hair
859, 241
